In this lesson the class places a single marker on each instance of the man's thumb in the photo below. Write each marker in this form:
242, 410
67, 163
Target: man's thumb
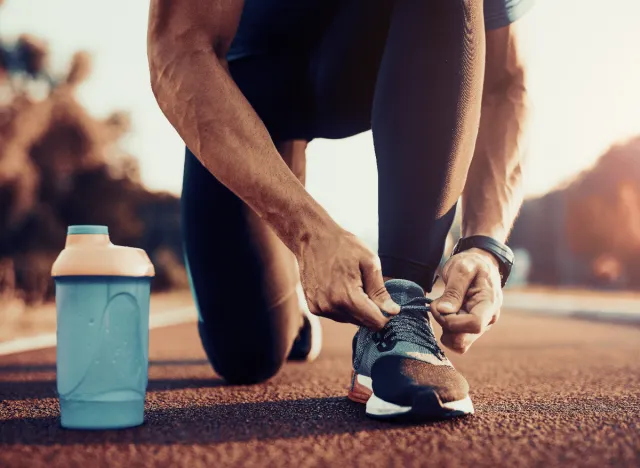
374, 288
450, 302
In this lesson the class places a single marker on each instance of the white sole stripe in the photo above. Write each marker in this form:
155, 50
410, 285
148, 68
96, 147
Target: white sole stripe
465, 405
364, 380
379, 407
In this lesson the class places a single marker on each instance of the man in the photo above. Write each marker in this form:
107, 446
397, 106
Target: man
248, 84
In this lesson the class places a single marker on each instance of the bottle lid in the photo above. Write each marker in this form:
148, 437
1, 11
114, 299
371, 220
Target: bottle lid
89, 252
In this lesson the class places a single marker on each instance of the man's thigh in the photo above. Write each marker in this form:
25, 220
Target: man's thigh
269, 61
344, 67
321, 89
278, 89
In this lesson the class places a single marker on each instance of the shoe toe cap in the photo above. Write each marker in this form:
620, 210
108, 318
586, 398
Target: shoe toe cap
400, 380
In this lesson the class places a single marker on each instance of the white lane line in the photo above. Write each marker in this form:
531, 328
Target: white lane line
626, 310
48, 340
30, 343
173, 317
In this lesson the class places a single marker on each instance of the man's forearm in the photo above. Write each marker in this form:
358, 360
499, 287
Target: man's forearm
201, 100
493, 192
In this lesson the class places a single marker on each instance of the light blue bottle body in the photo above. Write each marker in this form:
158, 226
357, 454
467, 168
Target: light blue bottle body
102, 354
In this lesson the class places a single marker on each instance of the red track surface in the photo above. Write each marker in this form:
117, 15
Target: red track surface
547, 391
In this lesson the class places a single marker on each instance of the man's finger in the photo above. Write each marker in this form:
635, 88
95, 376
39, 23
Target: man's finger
459, 279
367, 312
436, 315
485, 310
337, 314
458, 342
462, 323
342, 317
373, 285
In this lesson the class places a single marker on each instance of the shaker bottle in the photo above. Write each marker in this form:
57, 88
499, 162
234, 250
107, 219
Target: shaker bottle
102, 303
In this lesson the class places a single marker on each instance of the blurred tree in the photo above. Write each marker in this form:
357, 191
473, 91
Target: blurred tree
604, 214
61, 166
587, 233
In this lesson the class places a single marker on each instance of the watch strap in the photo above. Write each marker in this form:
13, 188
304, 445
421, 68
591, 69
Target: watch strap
500, 251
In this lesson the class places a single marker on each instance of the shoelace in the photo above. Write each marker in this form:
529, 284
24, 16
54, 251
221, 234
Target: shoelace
410, 325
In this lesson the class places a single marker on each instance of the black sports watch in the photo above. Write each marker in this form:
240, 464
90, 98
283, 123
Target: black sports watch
500, 251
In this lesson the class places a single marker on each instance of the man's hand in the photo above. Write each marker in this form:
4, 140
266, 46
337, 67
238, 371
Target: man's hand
472, 298
342, 280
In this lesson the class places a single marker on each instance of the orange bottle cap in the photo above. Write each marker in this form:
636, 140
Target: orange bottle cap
89, 252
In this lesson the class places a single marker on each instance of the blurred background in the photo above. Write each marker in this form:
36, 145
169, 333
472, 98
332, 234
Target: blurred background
83, 141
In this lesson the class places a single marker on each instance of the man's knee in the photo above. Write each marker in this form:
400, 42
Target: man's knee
245, 364
248, 369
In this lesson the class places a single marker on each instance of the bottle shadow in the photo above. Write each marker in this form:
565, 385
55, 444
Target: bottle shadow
51, 367
40, 389
205, 424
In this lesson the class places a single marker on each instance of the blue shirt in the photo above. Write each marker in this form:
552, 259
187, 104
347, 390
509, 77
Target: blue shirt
501, 13
268, 25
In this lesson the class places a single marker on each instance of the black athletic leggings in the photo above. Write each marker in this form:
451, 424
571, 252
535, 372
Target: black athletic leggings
410, 70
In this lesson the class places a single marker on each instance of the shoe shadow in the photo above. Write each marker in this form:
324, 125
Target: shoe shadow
196, 424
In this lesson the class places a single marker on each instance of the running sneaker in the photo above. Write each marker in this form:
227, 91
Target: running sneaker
308, 343
400, 372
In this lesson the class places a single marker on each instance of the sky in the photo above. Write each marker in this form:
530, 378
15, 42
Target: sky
584, 67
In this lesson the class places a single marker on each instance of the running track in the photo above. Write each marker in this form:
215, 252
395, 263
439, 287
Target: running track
548, 391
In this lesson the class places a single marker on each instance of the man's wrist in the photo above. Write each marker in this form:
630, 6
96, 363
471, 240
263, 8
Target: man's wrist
488, 255
496, 232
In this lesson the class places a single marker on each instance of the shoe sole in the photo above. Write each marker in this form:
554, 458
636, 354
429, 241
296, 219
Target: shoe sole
426, 405
316, 337
314, 322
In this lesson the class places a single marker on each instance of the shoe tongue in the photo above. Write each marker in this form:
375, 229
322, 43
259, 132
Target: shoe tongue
402, 291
